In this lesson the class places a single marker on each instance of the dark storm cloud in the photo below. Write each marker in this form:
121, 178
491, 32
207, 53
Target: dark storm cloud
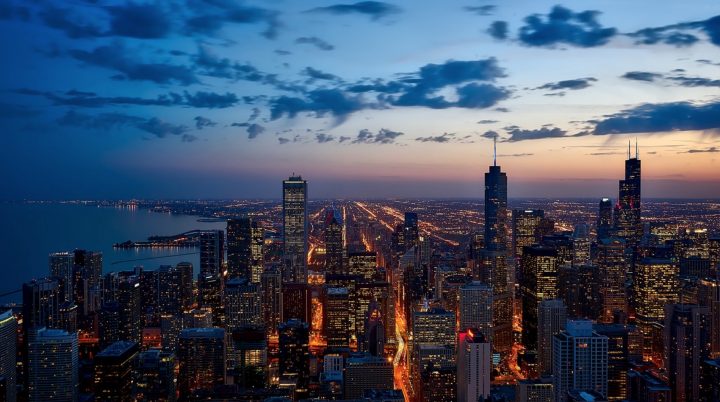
320, 102
202, 122
315, 41
442, 138
641, 76
316, 74
562, 26
374, 9
662, 117
481, 10
144, 21
498, 30
116, 58
384, 136
575, 84
517, 134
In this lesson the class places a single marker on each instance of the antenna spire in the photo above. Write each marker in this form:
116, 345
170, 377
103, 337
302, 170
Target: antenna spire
628, 149
495, 150
636, 149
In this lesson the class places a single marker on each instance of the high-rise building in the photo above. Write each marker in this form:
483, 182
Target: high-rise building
710, 378
210, 297
295, 230
374, 333
439, 384
433, 327
622, 349
296, 302
87, 274
367, 372
212, 252
334, 245
248, 355
61, 268
186, 284
475, 307
534, 391
271, 298
708, 295
552, 315
687, 345
494, 266
294, 337
539, 281
526, 224
613, 275
628, 224
129, 297
336, 318
8, 354
579, 287
242, 304
245, 245
52, 366
581, 245
114, 367
644, 386
201, 356
580, 360
605, 218
411, 230
155, 377
474, 368
41, 302
363, 264
655, 285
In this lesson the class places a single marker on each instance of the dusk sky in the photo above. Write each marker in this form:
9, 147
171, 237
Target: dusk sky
224, 99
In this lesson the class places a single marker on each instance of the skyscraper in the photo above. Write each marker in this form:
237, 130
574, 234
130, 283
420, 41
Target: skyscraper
8, 350
687, 345
411, 230
552, 316
580, 360
201, 354
709, 296
474, 367
155, 376
539, 282
242, 304
656, 284
628, 224
334, 250
363, 264
526, 224
494, 265
613, 275
605, 218
294, 337
41, 302
271, 298
475, 306
52, 366
367, 372
61, 267
295, 230
245, 243
337, 316
114, 367
212, 252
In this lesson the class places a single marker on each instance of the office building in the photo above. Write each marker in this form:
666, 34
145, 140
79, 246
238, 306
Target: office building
155, 377
295, 230
363, 264
249, 358
433, 327
475, 306
242, 304
687, 345
245, 248
201, 357
61, 267
336, 318
526, 229
114, 367
605, 218
474, 369
334, 243
367, 372
627, 221
8, 354
613, 275
294, 338
552, 315
41, 302
210, 297
656, 284
539, 281
52, 366
212, 252
271, 298
439, 384
580, 360
411, 230
534, 391
623, 347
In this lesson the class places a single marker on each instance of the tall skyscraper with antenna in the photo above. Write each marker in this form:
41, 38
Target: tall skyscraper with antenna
493, 267
295, 230
628, 224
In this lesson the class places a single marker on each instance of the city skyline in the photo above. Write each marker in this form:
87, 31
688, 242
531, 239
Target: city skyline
217, 99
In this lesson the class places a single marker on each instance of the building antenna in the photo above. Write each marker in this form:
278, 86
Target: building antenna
636, 149
495, 150
628, 149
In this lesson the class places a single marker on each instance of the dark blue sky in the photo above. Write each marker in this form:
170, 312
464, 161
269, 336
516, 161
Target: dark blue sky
221, 98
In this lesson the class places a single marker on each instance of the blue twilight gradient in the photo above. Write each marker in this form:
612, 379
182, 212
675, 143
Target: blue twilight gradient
220, 98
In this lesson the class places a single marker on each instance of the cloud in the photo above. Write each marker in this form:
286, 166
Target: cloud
144, 21
322, 138
384, 136
374, 9
517, 134
676, 34
490, 134
71, 24
479, 96
481, 10
579, 83
562, 26
515, 155
211, 100
442, 138
498, 30
694, 81
212, 15
662, 117
115, 58
320, 102
254, 130
283, 140
161, 129
9, 11
188, 138
316, 74
487, 121
202, 122
109, 121
641, 76
89, 99
255, 114
315, 41
706, 150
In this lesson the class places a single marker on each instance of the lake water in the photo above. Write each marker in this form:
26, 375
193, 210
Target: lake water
29, 232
